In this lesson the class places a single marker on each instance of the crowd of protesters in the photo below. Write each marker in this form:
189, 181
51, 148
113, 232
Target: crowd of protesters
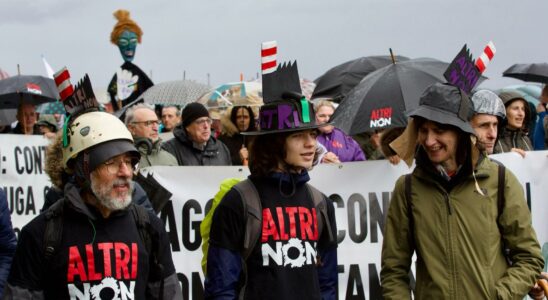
461, 213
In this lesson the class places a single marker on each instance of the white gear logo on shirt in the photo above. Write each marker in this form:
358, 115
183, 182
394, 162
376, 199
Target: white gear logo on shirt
107, 282
300, 259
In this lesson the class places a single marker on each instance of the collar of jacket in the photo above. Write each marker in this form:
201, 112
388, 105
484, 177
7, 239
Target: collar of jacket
142, 142
210, 149
287, 178
427, 171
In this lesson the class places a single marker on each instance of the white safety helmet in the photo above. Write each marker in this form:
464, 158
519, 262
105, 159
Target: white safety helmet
100, 135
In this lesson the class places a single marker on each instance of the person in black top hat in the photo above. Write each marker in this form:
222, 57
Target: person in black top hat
293, 257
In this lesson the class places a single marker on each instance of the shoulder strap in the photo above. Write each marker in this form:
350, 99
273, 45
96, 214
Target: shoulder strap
500, 189
407, 187
321, 206
253, 215
409, 200
501, 199
54, 228
151, 241
140, 215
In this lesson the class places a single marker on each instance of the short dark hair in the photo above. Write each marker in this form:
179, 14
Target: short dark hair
266, 152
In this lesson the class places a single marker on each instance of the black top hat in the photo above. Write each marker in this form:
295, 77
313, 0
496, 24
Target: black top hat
285, 109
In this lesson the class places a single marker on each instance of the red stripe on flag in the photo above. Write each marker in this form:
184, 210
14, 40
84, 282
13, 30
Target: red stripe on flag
66, 92
62, 77
489, 52
269, 51
268, 65
480, 65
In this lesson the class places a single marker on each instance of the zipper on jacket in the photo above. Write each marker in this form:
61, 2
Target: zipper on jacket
449, 207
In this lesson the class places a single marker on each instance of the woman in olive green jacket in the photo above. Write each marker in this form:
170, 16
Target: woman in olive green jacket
450, 219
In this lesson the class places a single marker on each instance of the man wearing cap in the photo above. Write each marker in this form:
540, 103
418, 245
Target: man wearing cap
448, 213
489, 113
94, 241
193, 144
142, 122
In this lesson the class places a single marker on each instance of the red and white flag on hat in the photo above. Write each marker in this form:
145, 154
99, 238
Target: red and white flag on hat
62, 80
486, 57
269, 50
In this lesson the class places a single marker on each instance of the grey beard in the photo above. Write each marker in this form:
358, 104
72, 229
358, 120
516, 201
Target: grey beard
102, 194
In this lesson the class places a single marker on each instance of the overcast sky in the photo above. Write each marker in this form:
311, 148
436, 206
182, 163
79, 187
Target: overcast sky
223, 38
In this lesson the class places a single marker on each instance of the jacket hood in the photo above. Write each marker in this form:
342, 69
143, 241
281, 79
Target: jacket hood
406, 144
229, 128
54, 162
387, 137
146, 145
179, 133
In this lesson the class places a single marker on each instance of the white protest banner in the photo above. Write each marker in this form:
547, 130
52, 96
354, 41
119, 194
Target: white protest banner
22, 176
361, 193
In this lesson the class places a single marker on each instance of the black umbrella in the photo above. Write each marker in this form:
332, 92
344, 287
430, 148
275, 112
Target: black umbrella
31, 89
339, 80
528, 72
381, 99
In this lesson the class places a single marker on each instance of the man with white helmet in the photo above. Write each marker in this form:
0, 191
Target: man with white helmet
489, 112
94, 241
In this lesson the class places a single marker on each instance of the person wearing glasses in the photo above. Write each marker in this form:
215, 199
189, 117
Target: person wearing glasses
95, 240
193, 144
143, 123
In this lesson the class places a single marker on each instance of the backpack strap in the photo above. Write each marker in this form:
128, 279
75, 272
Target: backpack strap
321, 206
408, 199
253, 215
140, 215
54, 229
151, 241
501, 201
500, 191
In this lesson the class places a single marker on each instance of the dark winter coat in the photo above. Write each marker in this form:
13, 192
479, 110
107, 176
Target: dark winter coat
215, 153
7, 241
231, 137
94, 253
512, 138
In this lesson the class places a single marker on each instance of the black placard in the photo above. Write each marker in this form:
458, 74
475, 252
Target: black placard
462, 71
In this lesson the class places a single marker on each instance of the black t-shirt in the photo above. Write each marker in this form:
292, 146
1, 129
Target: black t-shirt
283, 263
101, 258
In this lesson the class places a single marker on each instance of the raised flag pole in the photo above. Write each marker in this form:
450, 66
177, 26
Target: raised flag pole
485, 58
